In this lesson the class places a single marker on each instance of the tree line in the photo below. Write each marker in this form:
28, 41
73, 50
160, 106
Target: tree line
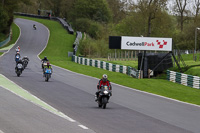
7, 7
102, 18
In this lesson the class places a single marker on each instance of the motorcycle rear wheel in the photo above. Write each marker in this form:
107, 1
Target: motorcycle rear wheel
18, 74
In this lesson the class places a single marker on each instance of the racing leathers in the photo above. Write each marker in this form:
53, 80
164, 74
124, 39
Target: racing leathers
102, 83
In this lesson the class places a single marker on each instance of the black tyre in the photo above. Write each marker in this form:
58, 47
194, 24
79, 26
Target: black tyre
104, 102
104, 106
100, 105
47, 78
18, 74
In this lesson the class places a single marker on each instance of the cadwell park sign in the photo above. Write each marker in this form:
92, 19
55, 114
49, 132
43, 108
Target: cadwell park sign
140, 43
146, 43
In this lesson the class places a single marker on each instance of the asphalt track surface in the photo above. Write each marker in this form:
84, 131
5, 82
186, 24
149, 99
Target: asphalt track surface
20, 116
129, 111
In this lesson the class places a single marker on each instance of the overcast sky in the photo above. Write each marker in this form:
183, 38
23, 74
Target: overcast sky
171, 3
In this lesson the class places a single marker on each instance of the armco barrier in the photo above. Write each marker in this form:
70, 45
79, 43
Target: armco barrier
66, 25
102, 65
62, 21
184, 79
5, 41
76, 43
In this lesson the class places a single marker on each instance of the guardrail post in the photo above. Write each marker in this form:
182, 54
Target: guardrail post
96, 63
190, 80
73, 58
107, 66
113, 67
90, 62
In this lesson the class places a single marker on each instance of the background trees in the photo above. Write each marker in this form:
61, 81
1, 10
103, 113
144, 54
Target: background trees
7, 8
96, 10
102, 18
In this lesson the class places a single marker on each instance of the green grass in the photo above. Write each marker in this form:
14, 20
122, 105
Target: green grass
193, 66
1, 53
15, 35
60, 43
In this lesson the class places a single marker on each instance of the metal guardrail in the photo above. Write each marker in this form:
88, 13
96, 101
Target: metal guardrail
76, 43
62, 21
66, 25
5, 41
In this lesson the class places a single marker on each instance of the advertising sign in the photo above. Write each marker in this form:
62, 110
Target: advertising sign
146, 43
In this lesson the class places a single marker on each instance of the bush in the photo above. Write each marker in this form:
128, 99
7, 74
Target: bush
87, 47
94, 29
94, 48
82, 24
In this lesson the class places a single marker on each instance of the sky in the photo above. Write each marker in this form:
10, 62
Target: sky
190, 5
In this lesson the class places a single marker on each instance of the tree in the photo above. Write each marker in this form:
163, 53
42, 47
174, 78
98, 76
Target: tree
66, 8
96, 10
55, 6
197, 8
180, 8
117, 9
149, 9
3, 20
6, 13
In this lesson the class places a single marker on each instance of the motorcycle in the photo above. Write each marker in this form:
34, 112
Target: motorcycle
25, 60
47, 74
19, 69
17, 57
34, 27
104, 96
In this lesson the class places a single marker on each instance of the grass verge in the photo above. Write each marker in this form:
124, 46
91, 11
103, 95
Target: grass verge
60, 44
15, 35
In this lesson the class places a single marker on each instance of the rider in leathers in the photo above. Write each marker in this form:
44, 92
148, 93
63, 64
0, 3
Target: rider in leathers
19, 62
102, 82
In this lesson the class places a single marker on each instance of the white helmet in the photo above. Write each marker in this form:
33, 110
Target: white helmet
104, 78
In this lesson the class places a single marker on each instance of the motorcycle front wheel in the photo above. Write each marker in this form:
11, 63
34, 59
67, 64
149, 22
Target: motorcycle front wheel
99, 105
104, 102
47, 78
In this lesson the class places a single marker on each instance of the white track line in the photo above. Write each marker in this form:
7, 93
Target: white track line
54, 111
82, 126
